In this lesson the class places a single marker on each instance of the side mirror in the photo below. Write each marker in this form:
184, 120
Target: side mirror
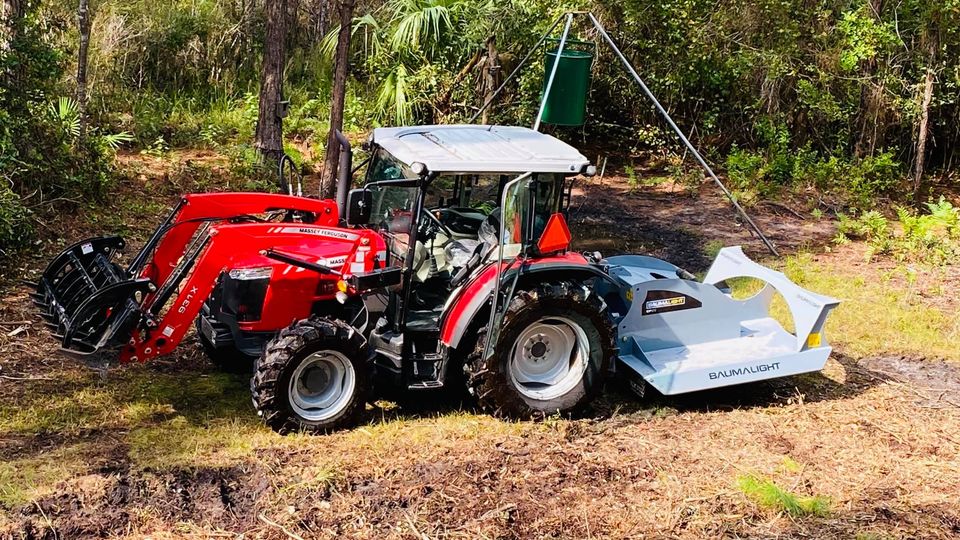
359, 205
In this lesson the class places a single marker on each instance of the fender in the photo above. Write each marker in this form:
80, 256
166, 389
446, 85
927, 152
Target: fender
470, 298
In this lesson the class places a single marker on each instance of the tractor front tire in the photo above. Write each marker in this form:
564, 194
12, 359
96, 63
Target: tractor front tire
314, 377
555, 347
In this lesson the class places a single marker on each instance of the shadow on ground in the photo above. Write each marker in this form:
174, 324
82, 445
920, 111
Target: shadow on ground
610, 217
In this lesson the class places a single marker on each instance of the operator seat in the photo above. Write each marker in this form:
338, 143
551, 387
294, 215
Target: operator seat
469, 254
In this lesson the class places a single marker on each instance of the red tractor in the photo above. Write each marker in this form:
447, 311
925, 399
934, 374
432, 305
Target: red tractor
448, 268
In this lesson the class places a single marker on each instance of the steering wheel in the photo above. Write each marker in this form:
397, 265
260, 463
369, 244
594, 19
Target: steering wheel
424, 230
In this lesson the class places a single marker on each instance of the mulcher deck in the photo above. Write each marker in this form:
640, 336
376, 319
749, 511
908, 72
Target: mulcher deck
683, 336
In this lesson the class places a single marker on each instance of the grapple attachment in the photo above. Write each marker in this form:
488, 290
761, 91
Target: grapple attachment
87, 300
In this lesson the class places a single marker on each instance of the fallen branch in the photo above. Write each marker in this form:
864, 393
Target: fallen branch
276, 525
784, 208
11, 378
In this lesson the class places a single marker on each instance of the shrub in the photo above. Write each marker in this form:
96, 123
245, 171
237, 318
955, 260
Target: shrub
859, 181
15, 224
43, 154
769, 495
932, 237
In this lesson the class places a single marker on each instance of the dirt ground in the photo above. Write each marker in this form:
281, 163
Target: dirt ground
877, 436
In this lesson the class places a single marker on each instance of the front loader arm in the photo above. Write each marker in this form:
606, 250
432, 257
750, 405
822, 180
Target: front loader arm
169, 243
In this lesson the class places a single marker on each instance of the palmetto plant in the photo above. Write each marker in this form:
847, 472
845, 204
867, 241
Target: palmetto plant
405, 43
392, 95
418, 24
66, 111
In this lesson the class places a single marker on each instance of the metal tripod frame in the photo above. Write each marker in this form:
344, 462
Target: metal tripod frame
646, 90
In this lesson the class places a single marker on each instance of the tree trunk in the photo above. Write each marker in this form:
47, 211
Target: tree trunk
490, 79
10, 19
923, 127
269, 136
337, 97
83, 15
12, 12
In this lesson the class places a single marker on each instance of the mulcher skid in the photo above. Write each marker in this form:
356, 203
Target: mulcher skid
94, 305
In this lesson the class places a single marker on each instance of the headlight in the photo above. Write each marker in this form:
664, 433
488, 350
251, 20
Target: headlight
248, 274
244, 291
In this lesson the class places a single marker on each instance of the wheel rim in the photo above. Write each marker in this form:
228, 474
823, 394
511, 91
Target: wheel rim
322, 386
549, 358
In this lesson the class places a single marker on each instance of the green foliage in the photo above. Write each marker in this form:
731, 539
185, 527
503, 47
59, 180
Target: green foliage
767, 494
863, 37
15, 224
632, 179
66, 112
44, 152
779, 165
932, 237
795, 95
158, 148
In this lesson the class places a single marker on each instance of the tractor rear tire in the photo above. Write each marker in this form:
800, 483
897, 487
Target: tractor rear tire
315, 377
555, 348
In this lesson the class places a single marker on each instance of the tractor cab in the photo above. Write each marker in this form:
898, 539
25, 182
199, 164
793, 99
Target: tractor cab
449, 202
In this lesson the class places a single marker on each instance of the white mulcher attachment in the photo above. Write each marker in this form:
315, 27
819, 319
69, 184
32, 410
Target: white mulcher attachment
681, 335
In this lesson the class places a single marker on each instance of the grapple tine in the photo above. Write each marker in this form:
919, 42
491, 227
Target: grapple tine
106, 317
85, 250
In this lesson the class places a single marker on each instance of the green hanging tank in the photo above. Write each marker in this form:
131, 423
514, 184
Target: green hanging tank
567, 103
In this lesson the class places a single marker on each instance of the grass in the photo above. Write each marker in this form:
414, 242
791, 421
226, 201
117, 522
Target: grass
25, 479
768, 495
877, 314
128, 398
189, 419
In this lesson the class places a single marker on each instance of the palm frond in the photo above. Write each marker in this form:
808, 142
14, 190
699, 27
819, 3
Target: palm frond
392, 96
419, 23
114, 140
366, 24
67, 111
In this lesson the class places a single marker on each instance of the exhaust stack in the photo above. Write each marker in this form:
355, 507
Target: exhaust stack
344, 171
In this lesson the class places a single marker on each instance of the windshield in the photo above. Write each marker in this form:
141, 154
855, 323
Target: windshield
386, 167
457, 205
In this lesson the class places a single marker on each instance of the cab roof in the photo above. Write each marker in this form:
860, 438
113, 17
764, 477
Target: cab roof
467, 148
